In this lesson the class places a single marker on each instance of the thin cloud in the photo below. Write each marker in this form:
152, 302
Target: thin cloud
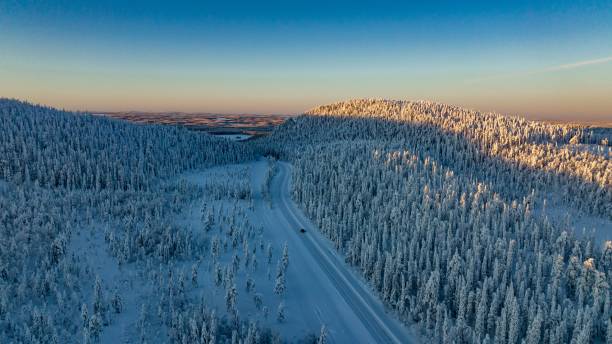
574, 65
578, 64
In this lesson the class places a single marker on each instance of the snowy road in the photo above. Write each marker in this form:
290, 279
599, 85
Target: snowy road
322, 289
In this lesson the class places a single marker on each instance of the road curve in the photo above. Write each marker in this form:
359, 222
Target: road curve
366, 306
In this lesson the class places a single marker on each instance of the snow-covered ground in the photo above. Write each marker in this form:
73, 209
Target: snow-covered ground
320, 288
581, 224
89, 246
605, 151
235, 137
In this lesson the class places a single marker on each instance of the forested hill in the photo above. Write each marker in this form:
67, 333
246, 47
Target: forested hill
469, 224
58, 148
485, 144
88, 204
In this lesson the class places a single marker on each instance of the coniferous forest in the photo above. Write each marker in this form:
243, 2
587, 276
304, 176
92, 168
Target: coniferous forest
460, 220
467, 227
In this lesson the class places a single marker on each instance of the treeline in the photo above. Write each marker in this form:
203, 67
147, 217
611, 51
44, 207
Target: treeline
56, 148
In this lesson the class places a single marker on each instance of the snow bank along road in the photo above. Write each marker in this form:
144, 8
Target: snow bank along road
319, 281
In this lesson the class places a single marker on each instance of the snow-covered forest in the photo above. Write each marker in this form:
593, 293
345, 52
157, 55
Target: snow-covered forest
114, 232
467, 227
464, 223
48, 147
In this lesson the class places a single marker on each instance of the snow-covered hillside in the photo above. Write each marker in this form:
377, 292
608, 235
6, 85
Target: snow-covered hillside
113, 232
100, 240
446, 213
382, 222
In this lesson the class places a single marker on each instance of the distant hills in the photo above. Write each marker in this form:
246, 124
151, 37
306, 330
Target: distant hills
251, 124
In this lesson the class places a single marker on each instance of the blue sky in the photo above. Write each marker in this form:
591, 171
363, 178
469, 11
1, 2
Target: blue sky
545, 59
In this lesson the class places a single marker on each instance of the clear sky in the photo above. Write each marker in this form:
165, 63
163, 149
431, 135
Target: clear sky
543, 59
